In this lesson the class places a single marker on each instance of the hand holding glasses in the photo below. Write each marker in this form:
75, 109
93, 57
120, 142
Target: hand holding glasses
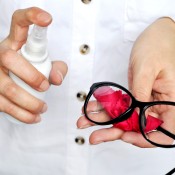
109, 103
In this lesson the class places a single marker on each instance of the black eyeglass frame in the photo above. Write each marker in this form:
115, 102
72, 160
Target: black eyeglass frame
135, 103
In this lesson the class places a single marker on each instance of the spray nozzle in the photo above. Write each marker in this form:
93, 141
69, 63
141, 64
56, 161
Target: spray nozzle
36, 44
38, 33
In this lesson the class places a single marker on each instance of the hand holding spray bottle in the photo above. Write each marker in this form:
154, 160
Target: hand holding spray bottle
35, 51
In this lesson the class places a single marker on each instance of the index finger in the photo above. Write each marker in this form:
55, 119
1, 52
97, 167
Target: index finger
21, 20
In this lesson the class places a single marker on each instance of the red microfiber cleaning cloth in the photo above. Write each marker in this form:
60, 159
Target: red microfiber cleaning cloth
116, 103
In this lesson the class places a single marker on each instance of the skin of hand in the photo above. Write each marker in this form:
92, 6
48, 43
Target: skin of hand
15, 100
151, 77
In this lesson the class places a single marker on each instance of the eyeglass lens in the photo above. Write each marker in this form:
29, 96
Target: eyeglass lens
164, 113
107, 103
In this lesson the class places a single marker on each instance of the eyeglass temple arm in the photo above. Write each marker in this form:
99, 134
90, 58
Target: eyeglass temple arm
171, 172
166, 132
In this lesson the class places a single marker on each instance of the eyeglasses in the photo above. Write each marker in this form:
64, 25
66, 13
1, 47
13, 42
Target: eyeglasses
109, 103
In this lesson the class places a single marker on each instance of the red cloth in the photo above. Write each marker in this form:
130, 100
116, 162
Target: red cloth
116, 103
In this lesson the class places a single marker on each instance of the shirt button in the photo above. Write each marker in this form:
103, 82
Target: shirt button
86, 1
80, 140
84, 49
81, 96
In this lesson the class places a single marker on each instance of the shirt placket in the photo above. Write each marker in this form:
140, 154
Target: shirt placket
80, 79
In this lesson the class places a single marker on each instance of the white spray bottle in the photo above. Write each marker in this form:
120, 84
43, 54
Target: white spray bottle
35, 51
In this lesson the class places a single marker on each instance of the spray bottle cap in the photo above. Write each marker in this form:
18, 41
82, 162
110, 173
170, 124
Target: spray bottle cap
35, 49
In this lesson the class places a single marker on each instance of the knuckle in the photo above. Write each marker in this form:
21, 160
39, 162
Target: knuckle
7, 57
29, 12
9, 109
38, 107
141, 95
33, 106
15, 14
36, 79
10, 90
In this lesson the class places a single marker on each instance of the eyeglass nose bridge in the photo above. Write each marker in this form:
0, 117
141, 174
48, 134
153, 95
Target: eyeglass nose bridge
139, 104
142, 106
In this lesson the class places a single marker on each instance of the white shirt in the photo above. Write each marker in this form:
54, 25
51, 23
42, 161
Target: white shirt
109, 28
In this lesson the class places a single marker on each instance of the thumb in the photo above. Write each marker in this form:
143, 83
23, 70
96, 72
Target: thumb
58, 72
141, 83
21, 20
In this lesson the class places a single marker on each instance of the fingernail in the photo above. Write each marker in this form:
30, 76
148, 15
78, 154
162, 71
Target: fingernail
84, 126
44, 17
44, 85
97, 142
60, 75
37, 119
44, 109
